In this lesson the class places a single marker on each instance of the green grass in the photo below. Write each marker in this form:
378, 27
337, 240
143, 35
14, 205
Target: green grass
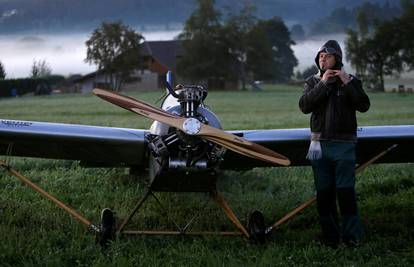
34, 232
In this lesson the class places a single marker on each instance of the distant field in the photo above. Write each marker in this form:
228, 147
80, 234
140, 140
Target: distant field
407, 80
35, 232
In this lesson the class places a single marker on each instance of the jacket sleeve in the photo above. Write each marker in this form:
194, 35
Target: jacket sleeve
313, 96
357, 96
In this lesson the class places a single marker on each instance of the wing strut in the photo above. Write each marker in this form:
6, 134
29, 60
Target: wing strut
312, 200
29, 183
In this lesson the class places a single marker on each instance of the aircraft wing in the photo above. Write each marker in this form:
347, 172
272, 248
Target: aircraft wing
294, 144
109, 146
92, 145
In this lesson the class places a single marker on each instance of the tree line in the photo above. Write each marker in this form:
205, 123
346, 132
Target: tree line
218, 50
377, 49
40, 82
239, 47
342, 18
79, 15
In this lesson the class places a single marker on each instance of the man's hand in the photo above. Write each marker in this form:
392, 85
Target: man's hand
342, 75
328, 74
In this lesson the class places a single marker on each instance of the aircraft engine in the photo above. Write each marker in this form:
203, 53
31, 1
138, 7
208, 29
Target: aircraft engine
176, 151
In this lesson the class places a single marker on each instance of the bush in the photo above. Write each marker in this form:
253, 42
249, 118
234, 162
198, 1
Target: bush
18, 87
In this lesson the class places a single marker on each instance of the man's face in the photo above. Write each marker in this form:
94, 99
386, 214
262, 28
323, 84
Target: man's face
326, 61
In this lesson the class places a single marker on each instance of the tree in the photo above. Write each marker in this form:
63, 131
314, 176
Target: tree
259, 59
238, 48
242, 45
362, 23
309, 71
354, 52
40, 69
262, 45
206, 57
283, 58
115, 49
378, 55
355, 48
385, 50
2, 72
406, 30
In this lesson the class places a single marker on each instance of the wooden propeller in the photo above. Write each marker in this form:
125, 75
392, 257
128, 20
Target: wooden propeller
194, 127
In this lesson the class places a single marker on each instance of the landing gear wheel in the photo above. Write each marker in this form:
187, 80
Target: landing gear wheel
107, 227
257, 227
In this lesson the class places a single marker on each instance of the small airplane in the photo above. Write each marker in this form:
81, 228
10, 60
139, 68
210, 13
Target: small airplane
184, 151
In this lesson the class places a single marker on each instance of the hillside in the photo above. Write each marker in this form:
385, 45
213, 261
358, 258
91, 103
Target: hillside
78, 15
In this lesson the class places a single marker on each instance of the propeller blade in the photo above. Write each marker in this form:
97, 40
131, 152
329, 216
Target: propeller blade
128, 103
256, 151
218, 136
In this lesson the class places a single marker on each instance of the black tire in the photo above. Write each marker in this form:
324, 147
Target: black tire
257, 227
107, 227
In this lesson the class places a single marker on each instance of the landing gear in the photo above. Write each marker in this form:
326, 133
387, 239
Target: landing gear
257, 228
107, 231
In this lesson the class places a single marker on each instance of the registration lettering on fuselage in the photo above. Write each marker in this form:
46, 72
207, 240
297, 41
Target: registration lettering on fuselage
16, 123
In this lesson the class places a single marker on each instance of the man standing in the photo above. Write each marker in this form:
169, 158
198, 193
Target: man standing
333, 97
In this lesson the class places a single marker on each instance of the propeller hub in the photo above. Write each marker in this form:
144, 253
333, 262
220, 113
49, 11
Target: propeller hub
191, 126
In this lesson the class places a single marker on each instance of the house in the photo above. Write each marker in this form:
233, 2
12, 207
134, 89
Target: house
68, 85
158, 57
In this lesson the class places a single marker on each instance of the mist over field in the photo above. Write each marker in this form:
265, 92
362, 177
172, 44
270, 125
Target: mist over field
56, 32
66, 52
58, 36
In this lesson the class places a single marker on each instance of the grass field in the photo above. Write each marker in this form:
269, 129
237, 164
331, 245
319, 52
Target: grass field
34, 232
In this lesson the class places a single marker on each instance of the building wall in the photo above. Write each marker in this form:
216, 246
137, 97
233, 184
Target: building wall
87, 86
148, 81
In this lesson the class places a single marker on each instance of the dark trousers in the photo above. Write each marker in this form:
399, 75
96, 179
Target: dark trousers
335, 179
